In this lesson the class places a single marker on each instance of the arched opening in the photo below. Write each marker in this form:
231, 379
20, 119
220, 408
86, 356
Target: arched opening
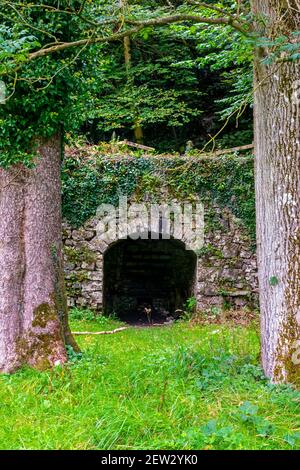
148, 281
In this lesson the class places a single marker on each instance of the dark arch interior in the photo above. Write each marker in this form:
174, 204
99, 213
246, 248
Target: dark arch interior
147, 281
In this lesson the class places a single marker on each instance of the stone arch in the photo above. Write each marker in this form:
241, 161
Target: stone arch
148, 278
226, 266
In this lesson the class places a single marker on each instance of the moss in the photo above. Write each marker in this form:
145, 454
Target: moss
77, 277
286, 370
35, 347
42, 363
43, 314
59, 299
209, 251
80, 255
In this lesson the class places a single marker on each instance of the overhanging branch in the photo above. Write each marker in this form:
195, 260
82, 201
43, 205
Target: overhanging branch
138, 26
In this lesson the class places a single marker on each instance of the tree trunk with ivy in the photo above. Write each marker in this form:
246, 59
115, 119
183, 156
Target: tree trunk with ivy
277, 148
33, 310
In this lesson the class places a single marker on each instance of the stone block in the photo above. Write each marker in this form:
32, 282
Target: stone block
88, 266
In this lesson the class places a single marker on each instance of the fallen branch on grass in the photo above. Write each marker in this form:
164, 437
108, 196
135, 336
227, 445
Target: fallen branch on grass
100, 332
122, 328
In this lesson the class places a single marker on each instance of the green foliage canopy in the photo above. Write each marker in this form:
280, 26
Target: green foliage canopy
62, 65
49, 90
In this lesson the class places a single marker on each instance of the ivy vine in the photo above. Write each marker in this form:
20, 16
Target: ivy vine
90, 181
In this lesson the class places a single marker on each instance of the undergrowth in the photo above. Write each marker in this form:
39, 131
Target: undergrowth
171, 387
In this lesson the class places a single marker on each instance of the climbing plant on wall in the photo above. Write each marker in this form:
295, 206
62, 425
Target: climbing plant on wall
91, 178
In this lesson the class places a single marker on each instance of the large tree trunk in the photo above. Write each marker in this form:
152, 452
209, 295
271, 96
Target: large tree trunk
277, 142
33, 313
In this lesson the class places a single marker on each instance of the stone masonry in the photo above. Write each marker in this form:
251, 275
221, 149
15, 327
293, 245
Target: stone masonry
225, 274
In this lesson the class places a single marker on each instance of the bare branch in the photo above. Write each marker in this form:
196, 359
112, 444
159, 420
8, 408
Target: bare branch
225, 20
138, 26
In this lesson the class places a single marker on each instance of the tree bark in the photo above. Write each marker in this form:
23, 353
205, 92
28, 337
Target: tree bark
277, 150
33, 309
12, 265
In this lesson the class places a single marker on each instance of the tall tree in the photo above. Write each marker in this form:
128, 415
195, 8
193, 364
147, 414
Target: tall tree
277, 150
33, 309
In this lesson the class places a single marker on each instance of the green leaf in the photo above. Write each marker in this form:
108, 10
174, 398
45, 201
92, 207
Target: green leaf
273, 281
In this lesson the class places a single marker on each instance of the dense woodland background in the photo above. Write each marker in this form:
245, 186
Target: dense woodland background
182, 85
164, 87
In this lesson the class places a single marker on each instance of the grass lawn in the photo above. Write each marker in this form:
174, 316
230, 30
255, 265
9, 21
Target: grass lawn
170, 387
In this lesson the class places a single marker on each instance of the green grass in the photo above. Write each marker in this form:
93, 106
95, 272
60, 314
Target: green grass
175, 387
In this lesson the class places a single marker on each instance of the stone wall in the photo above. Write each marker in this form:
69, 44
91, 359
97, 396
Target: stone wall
226, 265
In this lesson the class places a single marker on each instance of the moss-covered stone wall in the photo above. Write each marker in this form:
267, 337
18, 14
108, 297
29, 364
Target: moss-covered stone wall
90, 178
226, 268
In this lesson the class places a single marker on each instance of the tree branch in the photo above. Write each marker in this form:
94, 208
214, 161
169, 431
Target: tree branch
138, 26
